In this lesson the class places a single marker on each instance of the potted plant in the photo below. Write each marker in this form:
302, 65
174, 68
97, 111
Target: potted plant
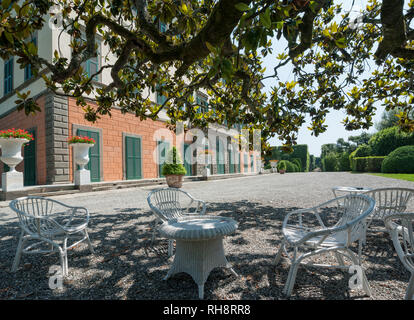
11, 142
273, 164
81, 145
282, 167
173, 169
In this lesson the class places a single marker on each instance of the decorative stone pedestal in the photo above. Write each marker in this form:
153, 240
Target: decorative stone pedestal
81, 155
11, 149
12, 181
82, 177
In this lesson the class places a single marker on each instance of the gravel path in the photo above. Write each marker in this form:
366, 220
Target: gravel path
125, 267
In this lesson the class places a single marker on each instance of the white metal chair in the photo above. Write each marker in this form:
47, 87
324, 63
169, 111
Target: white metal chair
389, 201
172, 203
400, 226
51, 223
329, 227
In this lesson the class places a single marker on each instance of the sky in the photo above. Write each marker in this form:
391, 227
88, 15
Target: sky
335, 128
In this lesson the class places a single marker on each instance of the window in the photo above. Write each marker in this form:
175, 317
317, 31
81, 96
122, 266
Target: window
163, 27
8, 76
93, 64
203, 104
160, 97
28, 72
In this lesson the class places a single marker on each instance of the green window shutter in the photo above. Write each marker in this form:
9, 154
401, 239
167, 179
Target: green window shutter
8, 76
94, 164
29, 152
187, 165
163, 147
246, 163
133, 158
231, 162
160, 98
219, 157
28, 72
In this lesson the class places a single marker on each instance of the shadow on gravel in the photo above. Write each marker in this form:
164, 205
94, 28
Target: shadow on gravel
126, 266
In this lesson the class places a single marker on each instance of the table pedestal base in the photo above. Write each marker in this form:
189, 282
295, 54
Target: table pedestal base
198, 258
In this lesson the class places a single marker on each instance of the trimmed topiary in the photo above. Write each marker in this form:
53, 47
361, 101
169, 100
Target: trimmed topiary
387, 140
364, 150
401, 160
173, 164
330, 162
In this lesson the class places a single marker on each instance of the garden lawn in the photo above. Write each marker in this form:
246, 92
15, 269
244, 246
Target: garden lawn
400, 176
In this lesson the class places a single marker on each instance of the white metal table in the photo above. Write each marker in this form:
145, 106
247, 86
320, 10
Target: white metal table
350, 190
199, 246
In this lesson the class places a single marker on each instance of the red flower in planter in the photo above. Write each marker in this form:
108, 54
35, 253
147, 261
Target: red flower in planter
81, 139
16, 133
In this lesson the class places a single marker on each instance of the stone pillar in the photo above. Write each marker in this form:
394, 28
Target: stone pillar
57, 134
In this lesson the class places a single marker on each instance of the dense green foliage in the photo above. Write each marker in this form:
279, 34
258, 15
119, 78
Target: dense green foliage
300, 153
173, 163
281, 165
367, 164
219, 46
364, 150
330, 162
389, 139
401, 160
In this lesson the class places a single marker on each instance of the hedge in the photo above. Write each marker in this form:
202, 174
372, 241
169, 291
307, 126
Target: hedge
367, 164
387, 140
300, 151
401, 160
330, 162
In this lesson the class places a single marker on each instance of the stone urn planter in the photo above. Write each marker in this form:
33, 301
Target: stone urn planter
273, 164
81, 146
174, 180
11, 155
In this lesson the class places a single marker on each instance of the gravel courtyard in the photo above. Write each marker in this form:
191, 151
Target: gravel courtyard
126, 267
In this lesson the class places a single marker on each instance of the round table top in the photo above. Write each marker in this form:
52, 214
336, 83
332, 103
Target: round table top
352, 189
198, 227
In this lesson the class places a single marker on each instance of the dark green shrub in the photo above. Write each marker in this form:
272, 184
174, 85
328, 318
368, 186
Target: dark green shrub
401, 160
359, 164
387, 140
343, 162
364, 150
291, 167
281, 165
298, 163
330, 162
373, 164
173, 163
301, 152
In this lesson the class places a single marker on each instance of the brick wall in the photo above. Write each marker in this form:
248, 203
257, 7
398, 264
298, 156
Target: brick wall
112, 129
18, 120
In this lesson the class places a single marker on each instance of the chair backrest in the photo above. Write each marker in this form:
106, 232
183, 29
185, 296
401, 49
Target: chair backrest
390, 200
168, 203
29, 208
353, 210
401, 228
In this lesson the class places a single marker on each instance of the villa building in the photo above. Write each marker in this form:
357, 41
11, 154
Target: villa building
126, 147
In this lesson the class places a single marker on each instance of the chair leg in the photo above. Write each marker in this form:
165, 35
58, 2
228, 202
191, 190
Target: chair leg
409, 295
170, 247
89, 242
65, 257
279, 254
290, 283
62, 261
19, 251
339, 259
